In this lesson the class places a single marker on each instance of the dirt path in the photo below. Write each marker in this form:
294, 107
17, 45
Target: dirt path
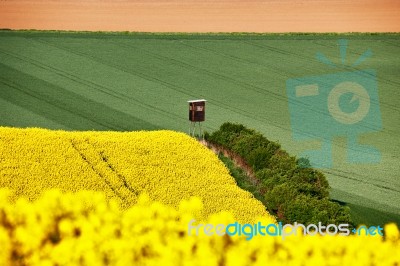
236, 159
203, 16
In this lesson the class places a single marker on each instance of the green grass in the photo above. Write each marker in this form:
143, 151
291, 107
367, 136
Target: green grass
370, 216
133, 81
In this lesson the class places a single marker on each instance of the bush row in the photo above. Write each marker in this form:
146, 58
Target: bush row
293, 191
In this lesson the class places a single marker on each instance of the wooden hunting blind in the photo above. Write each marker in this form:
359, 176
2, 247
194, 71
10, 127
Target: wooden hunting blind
197, 110
197, 114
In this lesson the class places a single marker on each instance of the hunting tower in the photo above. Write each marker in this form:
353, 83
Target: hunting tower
197, 114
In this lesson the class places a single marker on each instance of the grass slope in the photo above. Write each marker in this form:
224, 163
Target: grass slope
95, 81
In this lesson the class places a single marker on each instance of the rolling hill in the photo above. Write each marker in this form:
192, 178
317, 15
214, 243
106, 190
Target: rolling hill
125, 82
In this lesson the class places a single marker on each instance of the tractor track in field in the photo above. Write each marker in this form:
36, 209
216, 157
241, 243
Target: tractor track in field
35, 95
228, 79
89, 154
174, 87
350, 176
106, 89
139, 72
64, 74
90, 84
241, 163
105, 159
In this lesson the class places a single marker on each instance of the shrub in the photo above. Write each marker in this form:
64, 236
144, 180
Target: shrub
258, 158
294, 191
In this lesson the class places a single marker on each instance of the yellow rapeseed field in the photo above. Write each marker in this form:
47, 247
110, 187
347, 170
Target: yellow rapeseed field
168, 165
107, 198
86, 229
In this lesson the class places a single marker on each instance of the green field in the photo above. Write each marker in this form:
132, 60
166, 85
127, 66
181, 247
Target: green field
99, 81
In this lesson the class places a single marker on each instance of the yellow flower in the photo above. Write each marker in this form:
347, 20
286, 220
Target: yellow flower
169, 166
152, 233
392, 232
112, 198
